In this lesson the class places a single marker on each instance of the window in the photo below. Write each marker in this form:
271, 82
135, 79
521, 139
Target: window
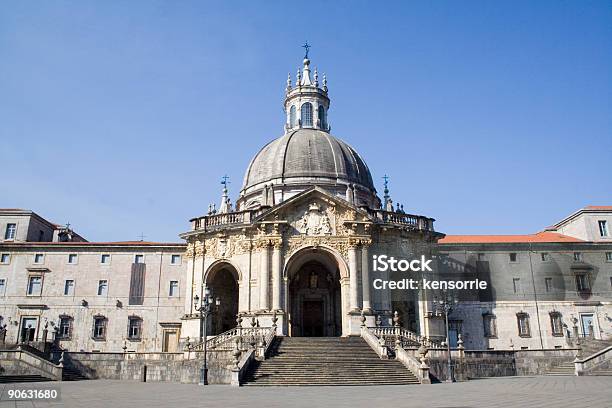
138, 259
35, 285
577, 256
292, 117
105, 258
99, 328
65, 328
39, 258
69, 287
513, 257
481, 257
545, 256
174, 289
11, 229
522, 320
322, 118
556, 324
102, 288
582, 282
175, 259
2, 288
548, 284
608, 256
516, 285
134, 327
306, 114
5, 258
603, 228
137, 284
490, 325
72, 258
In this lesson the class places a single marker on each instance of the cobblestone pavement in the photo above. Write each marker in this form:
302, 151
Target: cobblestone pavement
521, 392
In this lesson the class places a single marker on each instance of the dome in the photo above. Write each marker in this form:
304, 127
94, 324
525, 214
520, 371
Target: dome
307, 156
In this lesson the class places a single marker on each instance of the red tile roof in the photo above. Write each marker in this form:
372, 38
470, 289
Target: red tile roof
599, 207
116, 243
541, 237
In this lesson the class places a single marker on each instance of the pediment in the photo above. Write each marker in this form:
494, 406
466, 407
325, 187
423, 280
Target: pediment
315, 212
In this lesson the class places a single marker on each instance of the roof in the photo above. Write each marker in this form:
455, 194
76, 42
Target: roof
588, 208
87, 243
540, 237
307, 154
599, 207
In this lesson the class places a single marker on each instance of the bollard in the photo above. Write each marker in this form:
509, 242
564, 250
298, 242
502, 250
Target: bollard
144, 373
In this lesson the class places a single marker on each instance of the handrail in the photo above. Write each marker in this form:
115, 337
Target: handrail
224, 341
407, 338
214, 220
373, 342
586, 364
52, 370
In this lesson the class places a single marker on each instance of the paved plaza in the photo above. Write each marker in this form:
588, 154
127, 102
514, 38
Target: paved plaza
556, 392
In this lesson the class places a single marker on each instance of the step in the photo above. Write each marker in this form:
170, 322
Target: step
22, 378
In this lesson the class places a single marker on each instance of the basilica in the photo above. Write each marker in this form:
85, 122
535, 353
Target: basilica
292, 258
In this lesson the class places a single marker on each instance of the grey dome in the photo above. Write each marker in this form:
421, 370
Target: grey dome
307, 155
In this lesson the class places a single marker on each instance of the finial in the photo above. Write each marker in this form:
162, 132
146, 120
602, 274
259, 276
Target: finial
288, 82
226, 205
387, 202
324, 82
298, 78
316, 78
307, 48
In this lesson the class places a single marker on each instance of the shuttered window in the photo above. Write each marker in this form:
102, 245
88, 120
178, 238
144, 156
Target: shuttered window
137, 284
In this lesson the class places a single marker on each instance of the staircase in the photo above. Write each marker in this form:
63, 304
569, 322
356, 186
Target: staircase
72, 374
22, 378
562, 369
326, 361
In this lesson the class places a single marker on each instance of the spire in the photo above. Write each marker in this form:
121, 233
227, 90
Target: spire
306, 76
226, 204
288, 82
387, 202
316, 78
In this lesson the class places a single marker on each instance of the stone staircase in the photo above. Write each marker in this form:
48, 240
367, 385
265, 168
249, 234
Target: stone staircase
22, 378
325, 361
562, 369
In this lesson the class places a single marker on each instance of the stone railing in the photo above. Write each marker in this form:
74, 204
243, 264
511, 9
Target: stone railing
415, 221
43, 367
247, 336
376, 339
213, 221
584, 366
408, 339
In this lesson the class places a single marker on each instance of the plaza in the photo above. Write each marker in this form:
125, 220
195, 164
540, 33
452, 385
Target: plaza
528, 391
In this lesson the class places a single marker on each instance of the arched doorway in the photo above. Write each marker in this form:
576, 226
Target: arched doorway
222, 280
314, 301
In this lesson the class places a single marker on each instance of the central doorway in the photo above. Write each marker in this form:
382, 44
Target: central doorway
314, 300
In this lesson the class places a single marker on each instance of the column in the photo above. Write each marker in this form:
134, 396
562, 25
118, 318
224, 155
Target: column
264, 278
365, 277
276, 276
353, 282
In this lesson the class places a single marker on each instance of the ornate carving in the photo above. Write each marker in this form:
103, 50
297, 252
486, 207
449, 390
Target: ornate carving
314, 222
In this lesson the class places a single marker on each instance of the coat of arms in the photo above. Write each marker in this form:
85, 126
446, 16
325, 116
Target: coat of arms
314, 221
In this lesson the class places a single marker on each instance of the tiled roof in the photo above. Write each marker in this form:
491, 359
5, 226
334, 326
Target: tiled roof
599, 207
115, 243
540, 237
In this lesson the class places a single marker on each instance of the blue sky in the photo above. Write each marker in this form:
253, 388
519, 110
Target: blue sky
121, 117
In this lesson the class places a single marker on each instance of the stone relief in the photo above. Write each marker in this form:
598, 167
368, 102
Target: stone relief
314, 221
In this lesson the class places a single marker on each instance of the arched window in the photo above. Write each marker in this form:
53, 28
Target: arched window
292, 117
322, 118
306, 114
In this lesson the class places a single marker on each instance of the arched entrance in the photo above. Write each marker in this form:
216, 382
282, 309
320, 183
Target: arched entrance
222, 280
314, 301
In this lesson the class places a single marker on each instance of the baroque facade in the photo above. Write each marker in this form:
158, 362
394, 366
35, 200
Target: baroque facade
296, 250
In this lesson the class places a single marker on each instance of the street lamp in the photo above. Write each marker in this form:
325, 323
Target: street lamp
445, 306
205, 309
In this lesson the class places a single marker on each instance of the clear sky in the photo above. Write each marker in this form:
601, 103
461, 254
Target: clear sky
121, 116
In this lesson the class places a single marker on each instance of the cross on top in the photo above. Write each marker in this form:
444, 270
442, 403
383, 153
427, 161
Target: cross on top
307, 48
224, 180
142, 236
68, 225
386, 178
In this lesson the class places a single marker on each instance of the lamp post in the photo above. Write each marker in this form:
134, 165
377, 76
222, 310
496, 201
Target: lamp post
205, 309
445, 306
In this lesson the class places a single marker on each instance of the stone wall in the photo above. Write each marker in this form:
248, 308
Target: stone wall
167, 367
